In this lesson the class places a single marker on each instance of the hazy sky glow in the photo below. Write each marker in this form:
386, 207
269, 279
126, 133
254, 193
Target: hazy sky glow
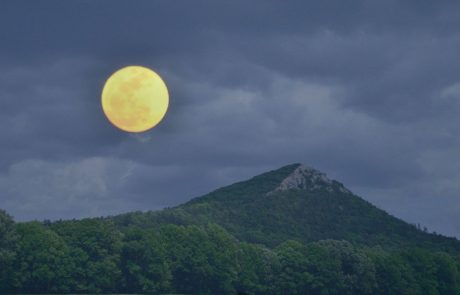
365, 91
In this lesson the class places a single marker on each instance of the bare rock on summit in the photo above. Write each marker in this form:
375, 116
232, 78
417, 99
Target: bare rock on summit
307, 178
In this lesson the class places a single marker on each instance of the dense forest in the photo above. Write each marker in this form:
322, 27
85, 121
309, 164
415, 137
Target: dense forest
298, 241
92, 255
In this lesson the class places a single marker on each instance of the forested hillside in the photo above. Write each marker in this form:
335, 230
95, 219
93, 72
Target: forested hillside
294, 202
289, 231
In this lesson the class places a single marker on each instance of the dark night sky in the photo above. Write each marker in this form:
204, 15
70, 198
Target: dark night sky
365, 91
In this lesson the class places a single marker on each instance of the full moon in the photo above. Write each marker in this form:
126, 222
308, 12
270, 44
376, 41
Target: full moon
135, 99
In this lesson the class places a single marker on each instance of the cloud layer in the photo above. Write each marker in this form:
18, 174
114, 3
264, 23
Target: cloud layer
367, 92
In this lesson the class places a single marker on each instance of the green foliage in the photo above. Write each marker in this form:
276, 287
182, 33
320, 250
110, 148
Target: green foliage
252, 212
92, 255
244, 238
325, 267
144, 265
203, 260
293, 276
8, 244
95, 246
42, 261
394, 274
447, 274
257, 269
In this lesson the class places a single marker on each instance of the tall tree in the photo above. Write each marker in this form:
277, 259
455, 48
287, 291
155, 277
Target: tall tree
144, 264
95, 245
8, 239
42, 263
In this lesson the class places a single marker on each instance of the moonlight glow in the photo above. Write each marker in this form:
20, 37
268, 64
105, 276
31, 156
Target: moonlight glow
135, 99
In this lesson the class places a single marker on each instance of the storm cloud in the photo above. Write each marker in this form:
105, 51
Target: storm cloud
365, 91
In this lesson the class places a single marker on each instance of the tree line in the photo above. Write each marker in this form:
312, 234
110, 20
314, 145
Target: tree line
96, 256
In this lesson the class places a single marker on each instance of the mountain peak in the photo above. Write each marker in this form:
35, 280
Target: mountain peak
307, 178
294, 202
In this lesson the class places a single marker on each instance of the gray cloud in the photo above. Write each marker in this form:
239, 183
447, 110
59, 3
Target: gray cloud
367, 92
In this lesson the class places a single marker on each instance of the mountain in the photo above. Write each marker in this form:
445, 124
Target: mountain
287, 231
294, 202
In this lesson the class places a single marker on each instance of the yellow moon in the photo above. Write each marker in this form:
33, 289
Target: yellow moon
135, 99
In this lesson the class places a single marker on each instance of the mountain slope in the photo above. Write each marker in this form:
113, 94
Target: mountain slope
294, 202
140, 253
